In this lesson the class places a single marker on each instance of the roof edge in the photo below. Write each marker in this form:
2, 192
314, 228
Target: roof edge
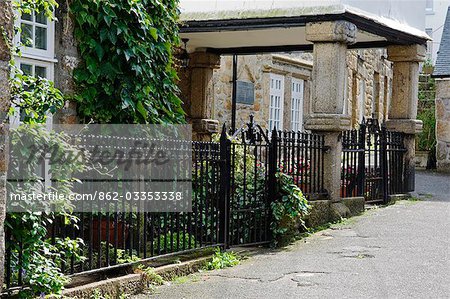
394, 31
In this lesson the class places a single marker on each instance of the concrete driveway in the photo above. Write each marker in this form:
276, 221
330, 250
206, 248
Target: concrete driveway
401, 251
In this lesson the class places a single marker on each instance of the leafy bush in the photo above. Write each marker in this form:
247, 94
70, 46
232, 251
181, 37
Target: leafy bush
128, 74
34, 97
152, 278
426, 140
34, 256
288, 210
222, 259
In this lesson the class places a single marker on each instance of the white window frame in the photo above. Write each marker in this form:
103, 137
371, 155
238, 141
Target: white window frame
297, 100
31, 52
36, 57
276, 101
14, 119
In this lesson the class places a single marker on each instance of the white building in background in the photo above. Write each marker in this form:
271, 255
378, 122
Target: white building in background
435, 12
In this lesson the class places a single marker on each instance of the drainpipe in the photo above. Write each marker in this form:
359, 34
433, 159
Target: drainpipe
233, 95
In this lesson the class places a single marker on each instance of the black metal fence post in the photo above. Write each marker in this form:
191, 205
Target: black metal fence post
272, 184
224, 199
384, 165
362, 160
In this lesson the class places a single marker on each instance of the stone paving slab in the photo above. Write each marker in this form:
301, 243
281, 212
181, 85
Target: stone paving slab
401, 251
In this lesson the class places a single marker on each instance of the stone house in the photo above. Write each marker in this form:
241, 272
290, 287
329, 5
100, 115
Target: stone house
442, 75
368, 88
334, 87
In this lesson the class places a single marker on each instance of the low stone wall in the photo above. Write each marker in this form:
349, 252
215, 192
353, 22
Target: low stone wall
326, 211
135, 283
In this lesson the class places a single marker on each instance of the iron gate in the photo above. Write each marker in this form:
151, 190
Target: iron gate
246, 180
372, 162
251, 160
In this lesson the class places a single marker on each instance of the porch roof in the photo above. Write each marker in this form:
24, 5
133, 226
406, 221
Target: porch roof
283, 30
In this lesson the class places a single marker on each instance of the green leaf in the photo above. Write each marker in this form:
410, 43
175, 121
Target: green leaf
99, 51
142, 110
154, 33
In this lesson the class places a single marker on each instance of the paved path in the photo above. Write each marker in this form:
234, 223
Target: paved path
400, 251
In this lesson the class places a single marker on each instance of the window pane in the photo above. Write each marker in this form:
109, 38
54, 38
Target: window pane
41, 18
26, 36
41, 38
40, 71
27, 69
26, 17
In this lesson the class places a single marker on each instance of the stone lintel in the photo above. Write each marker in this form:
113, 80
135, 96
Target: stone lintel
328, 122
205, 126
407, 126
337, 31
409, 53
204, 60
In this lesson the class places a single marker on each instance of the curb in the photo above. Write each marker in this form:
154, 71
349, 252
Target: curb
136, 283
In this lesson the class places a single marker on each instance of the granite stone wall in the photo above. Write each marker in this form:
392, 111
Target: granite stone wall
68, 58
369, 66
257, 69
443, 124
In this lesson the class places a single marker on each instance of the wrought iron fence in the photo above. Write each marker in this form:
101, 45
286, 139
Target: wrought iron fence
233, 182
300, 155
372, 162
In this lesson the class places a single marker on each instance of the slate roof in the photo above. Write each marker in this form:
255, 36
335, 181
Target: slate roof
442, 67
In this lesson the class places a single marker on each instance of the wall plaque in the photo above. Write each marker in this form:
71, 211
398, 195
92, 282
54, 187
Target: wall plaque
245, 93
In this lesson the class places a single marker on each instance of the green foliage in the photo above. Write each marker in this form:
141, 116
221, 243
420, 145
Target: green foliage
175, 242
98, 294
222, 259
41, 257
128, 74
33, 255
28, 6
34, 97
288, 210
426, 140
152, 278
123, 256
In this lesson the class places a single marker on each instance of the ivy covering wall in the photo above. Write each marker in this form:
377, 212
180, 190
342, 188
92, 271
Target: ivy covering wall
127, 74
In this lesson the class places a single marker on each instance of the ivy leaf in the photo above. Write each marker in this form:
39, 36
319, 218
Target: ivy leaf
154, 33
99, 51
80, 75
142, 110
103, 34
113, 37
128, 53
107, 19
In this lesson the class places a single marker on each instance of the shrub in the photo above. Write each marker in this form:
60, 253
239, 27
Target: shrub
222, 259
288, 210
